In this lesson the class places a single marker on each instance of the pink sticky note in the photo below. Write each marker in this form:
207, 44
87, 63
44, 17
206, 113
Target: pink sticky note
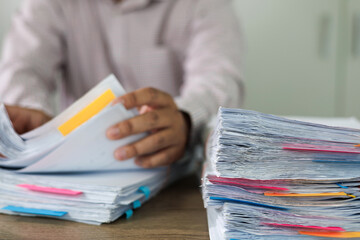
253, 181
311, 147
335, 229
50, 190
246, 183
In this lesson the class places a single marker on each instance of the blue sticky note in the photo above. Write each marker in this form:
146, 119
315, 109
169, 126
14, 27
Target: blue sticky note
35, 211
248, 203
129, 213
145, 190
136, 204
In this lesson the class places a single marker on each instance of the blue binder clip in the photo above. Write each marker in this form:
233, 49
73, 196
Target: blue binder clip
129, 213
146, 191
136, 204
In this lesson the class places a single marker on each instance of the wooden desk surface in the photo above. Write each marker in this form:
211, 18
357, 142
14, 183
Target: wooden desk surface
175, 213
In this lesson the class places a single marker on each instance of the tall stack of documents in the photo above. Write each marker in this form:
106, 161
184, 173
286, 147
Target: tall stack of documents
274, 178
66, 169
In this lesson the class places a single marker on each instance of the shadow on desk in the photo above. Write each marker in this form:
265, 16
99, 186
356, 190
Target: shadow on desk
176, 213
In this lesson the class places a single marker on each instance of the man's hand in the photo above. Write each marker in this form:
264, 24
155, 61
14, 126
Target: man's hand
26, 119
160, 117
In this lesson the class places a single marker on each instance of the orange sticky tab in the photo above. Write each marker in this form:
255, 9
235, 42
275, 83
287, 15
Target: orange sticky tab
332, 234
275, 194
88, 112
358, 145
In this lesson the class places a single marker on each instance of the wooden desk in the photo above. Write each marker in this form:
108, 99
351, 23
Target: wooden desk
176, 213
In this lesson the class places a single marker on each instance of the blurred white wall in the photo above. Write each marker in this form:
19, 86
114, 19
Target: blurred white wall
291, 58
7, 9
302, 56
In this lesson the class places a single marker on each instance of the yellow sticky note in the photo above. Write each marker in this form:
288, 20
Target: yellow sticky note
332, 234
88, 112
274, 194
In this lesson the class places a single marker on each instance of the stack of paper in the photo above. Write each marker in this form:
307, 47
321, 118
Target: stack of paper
66, 168
273, 178
77, 133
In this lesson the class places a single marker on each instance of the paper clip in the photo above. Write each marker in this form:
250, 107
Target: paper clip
35, 211
136, 204
129, 213
146, 191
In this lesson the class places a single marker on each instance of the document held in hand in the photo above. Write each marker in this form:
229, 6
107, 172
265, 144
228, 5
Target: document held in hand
84, 182
75, 140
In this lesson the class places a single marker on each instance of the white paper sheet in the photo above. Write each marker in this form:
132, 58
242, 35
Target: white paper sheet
87, 148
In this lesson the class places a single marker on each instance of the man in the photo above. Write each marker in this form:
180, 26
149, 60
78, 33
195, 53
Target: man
187, 51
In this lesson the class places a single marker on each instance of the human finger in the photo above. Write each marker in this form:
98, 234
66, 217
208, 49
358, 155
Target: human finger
20, 124
148, 121
162, 158
36, 120
12, 112
145, 96
147, 145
